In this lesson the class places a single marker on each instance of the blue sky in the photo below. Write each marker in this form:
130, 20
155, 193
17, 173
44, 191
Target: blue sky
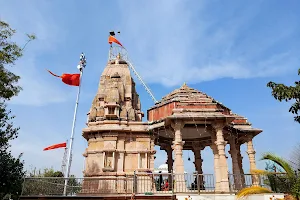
227, 49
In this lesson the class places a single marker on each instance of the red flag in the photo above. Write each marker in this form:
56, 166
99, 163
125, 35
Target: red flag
69, 79
112, 39
56, 146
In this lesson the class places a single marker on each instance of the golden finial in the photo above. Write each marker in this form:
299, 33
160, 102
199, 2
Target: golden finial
184, 85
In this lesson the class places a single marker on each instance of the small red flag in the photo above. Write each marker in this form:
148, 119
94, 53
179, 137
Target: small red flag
56, 146
112, 39
69, 79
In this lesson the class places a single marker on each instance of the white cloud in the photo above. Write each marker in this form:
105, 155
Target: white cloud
169, 45
175, 41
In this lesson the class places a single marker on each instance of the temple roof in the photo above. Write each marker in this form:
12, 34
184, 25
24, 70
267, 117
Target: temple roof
186, 94
186, 102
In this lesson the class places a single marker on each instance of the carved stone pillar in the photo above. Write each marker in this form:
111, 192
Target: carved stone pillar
170, 159
152, 154
240, 162
178, 160
178, 146
120, 160
146, 161
169, 151
235, 165
214, 148
113, 161
251, 155
103, 161
198, 164
223, 167
139, 160
198, 160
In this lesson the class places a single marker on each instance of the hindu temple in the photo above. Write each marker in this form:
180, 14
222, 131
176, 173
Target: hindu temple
121, 145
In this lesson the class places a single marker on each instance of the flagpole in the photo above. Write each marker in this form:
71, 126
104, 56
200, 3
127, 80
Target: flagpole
64, 160
81, 66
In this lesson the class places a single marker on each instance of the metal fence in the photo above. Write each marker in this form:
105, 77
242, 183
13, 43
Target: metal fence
138, 183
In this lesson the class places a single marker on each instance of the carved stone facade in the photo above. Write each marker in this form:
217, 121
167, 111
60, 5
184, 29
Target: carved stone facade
119, 143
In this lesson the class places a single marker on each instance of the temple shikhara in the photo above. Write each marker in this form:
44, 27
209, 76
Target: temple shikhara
121, 145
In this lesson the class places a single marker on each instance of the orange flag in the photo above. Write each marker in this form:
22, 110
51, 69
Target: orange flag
69, 79
112, 39
56, 146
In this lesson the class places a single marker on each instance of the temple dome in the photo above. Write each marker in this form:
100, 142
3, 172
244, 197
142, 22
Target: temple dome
186, 93
163, 168
188, 101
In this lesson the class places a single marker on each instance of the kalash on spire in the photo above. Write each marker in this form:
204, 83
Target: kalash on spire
118, 140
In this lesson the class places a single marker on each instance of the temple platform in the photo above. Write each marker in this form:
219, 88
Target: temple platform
102, 197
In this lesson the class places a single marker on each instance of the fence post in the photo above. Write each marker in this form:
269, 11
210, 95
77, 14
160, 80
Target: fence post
134, 182
198, 183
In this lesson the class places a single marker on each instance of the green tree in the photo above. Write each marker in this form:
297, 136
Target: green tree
288, 183
11, 168
282, 92
49, 182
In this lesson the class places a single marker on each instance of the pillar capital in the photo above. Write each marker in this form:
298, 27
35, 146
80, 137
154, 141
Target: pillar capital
250, 152
249, 137
177, 124
218, 125
197, 146
166, 147
214, 148
175, 143
220, 142
231, 138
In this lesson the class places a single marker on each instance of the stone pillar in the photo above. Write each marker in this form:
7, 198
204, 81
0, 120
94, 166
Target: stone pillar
121, 162
103, 162
240, 162
121, 150
214, 148
198, 165
146, 160
139, 160
180, 185
235, 165
198, 160
113, 161
251, 154
169, 158
168, 149
223, 167
152, 145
